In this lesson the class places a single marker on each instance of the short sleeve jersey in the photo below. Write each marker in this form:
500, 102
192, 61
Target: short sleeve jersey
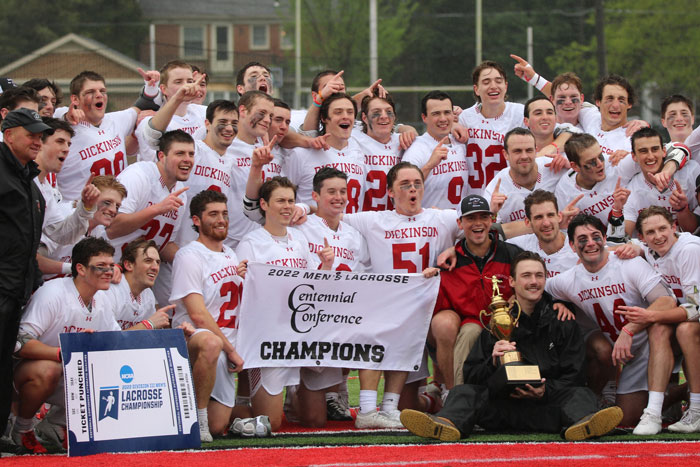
379, 158
644, 194
57, 307
129, 310
145, 187
680, 266
302, 164
291, 250
610, 141
214, 276
514, 207
99, 150
239, 225
189, 123
406, 244
597, 201
348, 244
485, 144
599, 294
557, 262
447, 183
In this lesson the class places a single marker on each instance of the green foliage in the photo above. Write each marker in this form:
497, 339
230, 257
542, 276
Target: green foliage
26, 25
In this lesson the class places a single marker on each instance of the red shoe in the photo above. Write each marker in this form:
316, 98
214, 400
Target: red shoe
29, 442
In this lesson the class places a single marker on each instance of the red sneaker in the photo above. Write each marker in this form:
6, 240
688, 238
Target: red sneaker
29, 442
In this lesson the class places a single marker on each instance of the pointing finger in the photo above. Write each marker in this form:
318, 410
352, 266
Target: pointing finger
272, 142
92, 175
498, 186
617, 186
325, 242
181, 190
518, 59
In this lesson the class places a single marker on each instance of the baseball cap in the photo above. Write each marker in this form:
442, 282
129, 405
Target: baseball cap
5, 84
472, 204
27, 118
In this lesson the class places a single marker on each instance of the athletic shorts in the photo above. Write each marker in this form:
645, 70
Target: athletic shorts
272, 379
316, 379
224, 390
634, 373
422, 372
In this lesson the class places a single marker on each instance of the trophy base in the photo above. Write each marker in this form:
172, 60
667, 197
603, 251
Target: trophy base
509, 376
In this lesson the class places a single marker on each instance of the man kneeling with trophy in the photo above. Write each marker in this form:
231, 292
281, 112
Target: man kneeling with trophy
525, 373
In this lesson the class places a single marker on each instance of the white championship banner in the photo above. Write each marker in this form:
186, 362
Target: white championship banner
128, 391
311, 318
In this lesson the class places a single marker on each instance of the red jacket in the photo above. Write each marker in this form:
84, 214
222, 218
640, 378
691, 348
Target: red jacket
466, 290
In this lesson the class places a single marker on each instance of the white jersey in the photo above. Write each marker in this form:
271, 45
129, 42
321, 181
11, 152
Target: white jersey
239, 225
55, 211
211, 171
290, 251
406, 244
379, 158
598, 201
302, 164
129, 310
599, 294
485, 145
57, 307
557, 262
96, 149
214, 276
680, 266
189, 123
348, 244
514, 208
145, 187
447, 183
645, 194
274, 168
610, 141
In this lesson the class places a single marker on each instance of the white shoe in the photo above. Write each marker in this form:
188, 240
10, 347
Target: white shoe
689, 423
204, 434
649, 424
52, 433
376, 419
258, 427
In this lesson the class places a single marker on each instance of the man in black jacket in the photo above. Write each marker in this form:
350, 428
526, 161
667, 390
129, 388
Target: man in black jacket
21, 216
559, 401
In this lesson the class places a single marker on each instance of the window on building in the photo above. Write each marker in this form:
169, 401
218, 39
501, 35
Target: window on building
259, 36
193, 41
222, 40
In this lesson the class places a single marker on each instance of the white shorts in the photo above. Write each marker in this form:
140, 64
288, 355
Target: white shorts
634, 373
316, 379
272, 379
422, 372
224, 390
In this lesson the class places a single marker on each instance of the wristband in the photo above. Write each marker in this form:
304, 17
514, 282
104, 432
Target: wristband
320, 95
316, 103
147, 324
150, 90
615, 213
58, 355
681, 209
65, 268
555, 145
305, 207
628, 332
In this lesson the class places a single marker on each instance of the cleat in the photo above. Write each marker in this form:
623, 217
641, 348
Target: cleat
689, 423
52, 433
594, 425
649, 424
28, 441
336, 411
204, 433
378, 420
256, 427
429, 426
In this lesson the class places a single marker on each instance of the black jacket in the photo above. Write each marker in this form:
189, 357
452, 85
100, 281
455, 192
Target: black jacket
21, 217
555, 346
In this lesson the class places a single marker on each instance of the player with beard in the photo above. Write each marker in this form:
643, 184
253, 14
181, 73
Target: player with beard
599, 286
155, 207
381, 147
179, 112
442, 158
676, 257
203, 293
649, 153
70, 304
337, 117
57, 257
526, 173
98, 146
278, 244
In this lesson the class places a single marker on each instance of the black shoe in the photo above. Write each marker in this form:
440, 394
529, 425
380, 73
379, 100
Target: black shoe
596, 424
429, 426
336, 412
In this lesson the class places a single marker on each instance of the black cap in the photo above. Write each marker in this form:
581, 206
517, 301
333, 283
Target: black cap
472, 204
6, 83
27, 118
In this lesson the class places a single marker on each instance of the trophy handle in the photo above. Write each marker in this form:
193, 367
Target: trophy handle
520, 309
481, 315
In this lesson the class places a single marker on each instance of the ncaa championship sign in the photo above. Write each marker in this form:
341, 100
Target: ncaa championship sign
128, 391
311, 318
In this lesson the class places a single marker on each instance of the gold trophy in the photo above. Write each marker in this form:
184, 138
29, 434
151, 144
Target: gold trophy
512, 372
